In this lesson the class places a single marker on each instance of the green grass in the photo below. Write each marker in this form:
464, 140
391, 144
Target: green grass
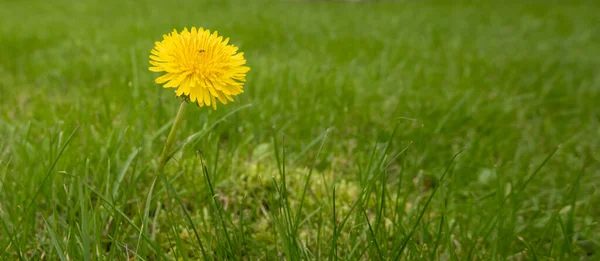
413, 130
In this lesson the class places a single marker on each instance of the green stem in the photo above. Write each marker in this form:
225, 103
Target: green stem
171, 138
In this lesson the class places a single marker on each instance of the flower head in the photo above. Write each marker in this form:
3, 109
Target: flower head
200, 65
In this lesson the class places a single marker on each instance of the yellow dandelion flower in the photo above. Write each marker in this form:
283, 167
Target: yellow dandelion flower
200, 65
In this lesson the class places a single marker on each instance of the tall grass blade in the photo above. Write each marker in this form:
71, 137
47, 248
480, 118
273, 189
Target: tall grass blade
414, 228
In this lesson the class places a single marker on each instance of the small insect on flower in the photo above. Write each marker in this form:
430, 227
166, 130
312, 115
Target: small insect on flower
201, 65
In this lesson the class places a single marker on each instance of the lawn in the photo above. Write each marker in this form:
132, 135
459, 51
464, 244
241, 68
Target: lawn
374, 130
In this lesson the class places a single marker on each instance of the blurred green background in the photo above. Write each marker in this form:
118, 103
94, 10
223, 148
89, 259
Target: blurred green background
506, 83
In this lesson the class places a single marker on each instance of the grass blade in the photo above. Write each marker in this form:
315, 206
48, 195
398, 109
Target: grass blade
152, 244
536, 171
85, 233
47, 176
306, 185
59, 250
412, 231
374, 238
121, 175
216, 204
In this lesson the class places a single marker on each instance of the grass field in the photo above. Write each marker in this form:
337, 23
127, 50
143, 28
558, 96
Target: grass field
412, 130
